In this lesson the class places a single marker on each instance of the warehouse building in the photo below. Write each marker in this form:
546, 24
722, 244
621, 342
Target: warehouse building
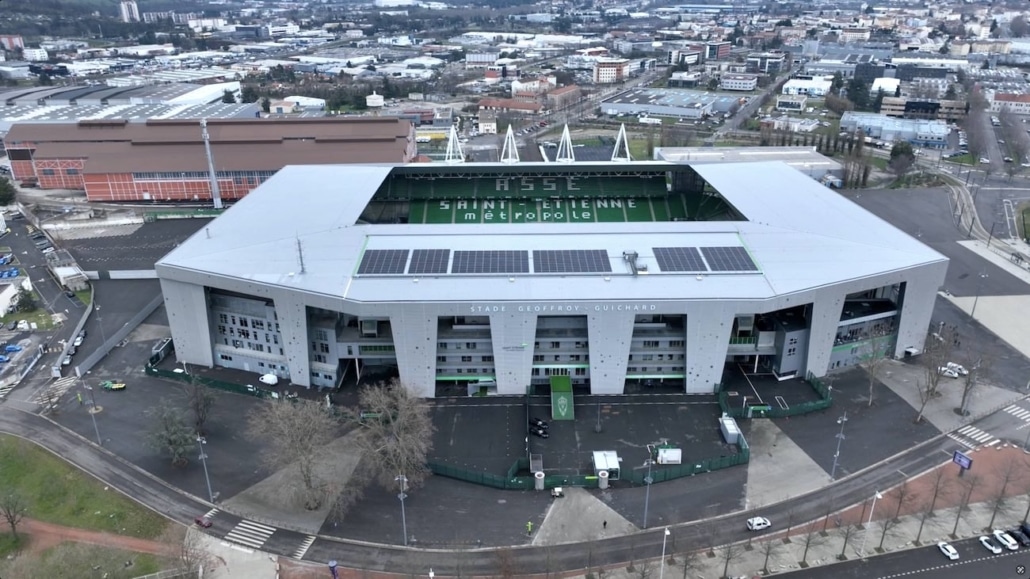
165, 160
503, 276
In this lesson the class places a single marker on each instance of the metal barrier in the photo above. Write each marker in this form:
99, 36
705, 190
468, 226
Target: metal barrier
210, 382
170, 574
114, 339
199, 213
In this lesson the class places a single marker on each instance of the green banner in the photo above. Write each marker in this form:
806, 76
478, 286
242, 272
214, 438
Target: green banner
561, 398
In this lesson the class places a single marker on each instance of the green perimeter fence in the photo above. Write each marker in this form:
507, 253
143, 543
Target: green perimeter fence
824, 402
211, 382
152, 216
511, 481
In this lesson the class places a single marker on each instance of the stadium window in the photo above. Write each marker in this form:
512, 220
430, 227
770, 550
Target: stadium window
225, 357
538, 358
48, 172
488, 358
71, 171
441, 359
676, 343
650, 343
442, 345
555, 345
470, 345
466, 358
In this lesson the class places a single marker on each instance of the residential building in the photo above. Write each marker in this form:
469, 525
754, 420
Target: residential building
128, 11
1013, 103
745, 82
610, 70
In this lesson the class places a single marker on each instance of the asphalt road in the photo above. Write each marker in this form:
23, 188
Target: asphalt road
975, 561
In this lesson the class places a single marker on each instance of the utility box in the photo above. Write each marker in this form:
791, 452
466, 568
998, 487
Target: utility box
670, 456
730, 430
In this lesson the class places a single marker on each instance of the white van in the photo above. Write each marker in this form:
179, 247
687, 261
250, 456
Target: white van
269, 379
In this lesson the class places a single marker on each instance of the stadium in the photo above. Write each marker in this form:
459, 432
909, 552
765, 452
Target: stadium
497, 278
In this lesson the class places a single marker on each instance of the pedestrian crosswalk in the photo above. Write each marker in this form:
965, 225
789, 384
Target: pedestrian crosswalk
972, 437
300, 551
250, 534
53, 393
1019, 412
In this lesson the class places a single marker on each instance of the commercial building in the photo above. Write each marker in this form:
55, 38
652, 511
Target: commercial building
745, 82
766, 62
501, 276
164, 160
791, 103
1009, 102
128, 11
923, 133
814, 87
657, 102
610, 70
910, 108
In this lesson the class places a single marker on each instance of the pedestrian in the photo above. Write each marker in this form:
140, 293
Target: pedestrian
79, 395
605, 525
529, 528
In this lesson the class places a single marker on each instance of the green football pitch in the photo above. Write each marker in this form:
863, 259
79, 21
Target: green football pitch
585, 210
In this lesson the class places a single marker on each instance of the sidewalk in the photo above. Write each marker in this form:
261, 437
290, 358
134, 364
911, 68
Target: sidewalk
996, 488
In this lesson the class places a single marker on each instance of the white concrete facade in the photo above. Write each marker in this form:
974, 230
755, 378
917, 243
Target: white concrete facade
601, 329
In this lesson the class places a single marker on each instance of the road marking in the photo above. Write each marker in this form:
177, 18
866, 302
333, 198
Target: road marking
950, 565
211, 513
55, 390
299, 553
1019, 412
250, 534
972, 437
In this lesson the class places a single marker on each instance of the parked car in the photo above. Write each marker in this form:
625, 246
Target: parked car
202, 521
67, 361
537, 431
958, 368
269, 379
948, 551
1020, 537
1005, 539
945, 371
4, 359
990, 545
11, 326
12, 348
78, 341
758, 524
539, 423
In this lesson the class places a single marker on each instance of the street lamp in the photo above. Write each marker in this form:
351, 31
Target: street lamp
979, 286
665, 538
403, 481
100, 323
840, 437
93, 412
865, 536
203, 459
648, 480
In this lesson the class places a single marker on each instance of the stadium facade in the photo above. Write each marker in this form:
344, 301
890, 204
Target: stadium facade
498, 277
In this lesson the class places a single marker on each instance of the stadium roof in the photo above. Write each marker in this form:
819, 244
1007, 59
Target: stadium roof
799, 234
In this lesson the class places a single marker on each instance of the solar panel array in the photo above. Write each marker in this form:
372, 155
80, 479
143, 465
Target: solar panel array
429, 261
546, 261
728, 259
571, 261
383, 261
679, 259
491, 261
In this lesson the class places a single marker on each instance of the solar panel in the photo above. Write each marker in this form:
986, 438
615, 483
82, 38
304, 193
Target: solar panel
490, 262
728, 259
425, 261
571, 261
679, 259
383, 261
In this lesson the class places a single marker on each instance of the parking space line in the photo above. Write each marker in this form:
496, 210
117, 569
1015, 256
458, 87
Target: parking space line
303, 549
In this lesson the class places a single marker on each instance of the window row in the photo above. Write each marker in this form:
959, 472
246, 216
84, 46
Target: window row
52, 172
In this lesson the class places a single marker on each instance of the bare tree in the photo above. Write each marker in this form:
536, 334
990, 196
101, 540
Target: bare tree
941, 483
13, 508
297, 433
978, 367
887, 527
999, 500
846, 533
169, 432
193, 555
936, 355
346, 493
199, 400
925, 512
874, 360
645, 569
811, 539
397, 435
905, 495
728, 554
767, 549
692, 561
968, 484
790, 525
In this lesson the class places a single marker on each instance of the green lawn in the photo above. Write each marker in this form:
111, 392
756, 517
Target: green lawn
966, 159
84, 295
40, 316
59, 493
879, 162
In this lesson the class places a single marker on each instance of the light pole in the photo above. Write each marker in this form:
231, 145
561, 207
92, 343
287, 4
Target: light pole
403, 481
201, 441
840, 437
93, 409
865, 536
648, 480
100, 324
979, 286
661, 575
